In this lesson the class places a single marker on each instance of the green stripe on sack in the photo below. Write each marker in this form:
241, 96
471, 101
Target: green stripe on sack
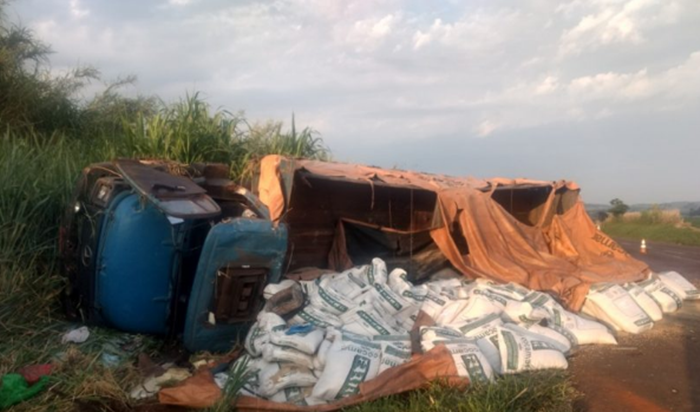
557, 317
409, 294
541, 345
356, 280
644, 321
511, 350
363, 342
358, 373
372, 322
566, 333
383, 293
435, 299
536, 299
370, 274
446, 333
474, 368
331, 301
478, 323
646, 283
403, 354
669, 292
391, 338
313, 320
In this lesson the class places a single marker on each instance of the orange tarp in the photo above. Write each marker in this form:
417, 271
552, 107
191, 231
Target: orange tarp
564, 257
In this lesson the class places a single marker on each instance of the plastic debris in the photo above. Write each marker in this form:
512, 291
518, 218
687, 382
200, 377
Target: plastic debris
33, 373
151, 385
79, 335
15, 389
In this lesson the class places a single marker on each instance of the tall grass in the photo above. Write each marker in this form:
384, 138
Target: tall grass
37, 173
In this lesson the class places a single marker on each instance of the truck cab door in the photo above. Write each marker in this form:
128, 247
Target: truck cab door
238, 259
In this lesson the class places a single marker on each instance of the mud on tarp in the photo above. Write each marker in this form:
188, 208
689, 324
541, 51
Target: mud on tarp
536, 235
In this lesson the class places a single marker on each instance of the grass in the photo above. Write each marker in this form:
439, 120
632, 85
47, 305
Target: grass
531, 391
659, 232
694, 221
666, 226
37, 174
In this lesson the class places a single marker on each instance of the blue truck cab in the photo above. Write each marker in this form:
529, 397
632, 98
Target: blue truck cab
167, 249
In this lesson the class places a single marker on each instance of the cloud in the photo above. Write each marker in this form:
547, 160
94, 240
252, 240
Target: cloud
486, 127
77, 11
478, 30
368, 34
552, 100
615, 22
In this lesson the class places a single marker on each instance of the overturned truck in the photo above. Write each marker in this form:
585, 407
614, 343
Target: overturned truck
408, 277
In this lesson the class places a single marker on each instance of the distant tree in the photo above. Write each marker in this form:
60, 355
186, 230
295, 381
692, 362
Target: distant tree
602, 216
618, 208
694, 212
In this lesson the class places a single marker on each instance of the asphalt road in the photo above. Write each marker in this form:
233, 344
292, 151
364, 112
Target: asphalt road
658, 370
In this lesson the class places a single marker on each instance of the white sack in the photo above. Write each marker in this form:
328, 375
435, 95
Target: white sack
523, 312
393, 355
294, 395
578, 330
366, 321
478, 305
375, 272
520, 352
306, 342
273, 353
666, 298
398, 280
350, 283
316, 317
644, 300
469, 360
328, 300
259, 333
438, 333
273, 377
613, 305
273, 288
351, 362
680, 285
321, 355
389, 303
542, 333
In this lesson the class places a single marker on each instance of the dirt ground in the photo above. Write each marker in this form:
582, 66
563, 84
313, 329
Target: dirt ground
658, 370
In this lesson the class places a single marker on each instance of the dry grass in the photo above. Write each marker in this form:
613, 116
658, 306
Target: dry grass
653, 215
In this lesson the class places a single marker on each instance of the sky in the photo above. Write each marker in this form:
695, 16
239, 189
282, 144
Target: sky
603, 92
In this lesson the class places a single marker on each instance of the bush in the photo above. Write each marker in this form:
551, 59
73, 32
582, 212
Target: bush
618, 208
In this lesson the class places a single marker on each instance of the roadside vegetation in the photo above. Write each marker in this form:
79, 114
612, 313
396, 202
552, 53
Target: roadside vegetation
47, 135
656, 225
542, 391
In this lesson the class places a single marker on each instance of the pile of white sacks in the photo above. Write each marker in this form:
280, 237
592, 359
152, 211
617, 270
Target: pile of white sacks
356, 324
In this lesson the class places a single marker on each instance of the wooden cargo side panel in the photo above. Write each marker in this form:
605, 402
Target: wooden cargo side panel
317, 204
